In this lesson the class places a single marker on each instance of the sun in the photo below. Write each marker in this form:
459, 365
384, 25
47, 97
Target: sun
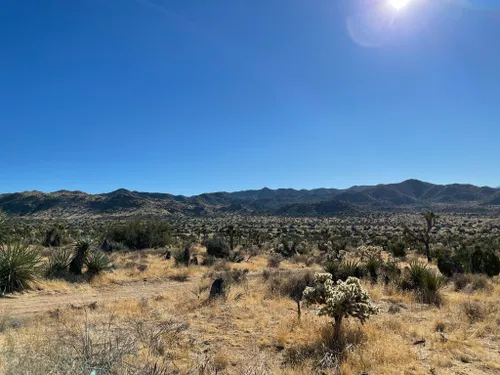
399, 4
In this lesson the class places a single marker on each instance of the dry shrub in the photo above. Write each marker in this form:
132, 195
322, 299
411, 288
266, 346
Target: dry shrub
474, 311
274, 260
92, 343
471, 282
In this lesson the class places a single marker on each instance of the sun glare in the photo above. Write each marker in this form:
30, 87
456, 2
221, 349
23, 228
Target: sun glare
398, 4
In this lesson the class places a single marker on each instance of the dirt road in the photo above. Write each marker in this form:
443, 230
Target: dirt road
29, 304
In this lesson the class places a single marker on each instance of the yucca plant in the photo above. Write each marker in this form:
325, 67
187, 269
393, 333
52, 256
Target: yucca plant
19, 267
59, 261
78, 261
433, 284
96, 262
425, 283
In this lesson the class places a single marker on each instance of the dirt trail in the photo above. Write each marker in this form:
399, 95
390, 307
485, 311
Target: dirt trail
29, 304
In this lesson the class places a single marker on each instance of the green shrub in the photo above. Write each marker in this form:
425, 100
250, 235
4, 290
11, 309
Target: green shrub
445, 265
59, 261
485, 261
97, 261
343, 269
218, 247
397, 248
19, 267
138, 235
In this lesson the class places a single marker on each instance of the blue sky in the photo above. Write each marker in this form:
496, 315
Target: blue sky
192, 96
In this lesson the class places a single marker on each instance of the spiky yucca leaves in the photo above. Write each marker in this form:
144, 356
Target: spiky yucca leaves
19, 267
78, 261
339, 300
96, 262
59, 261
425, 282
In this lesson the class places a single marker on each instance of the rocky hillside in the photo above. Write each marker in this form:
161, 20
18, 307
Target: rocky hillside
410, 195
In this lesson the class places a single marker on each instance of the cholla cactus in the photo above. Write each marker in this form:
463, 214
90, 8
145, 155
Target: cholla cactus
370, 252
343, 299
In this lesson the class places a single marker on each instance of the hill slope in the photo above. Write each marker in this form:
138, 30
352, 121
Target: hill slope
408, 196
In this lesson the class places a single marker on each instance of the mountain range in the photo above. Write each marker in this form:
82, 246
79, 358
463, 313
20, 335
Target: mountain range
407, 196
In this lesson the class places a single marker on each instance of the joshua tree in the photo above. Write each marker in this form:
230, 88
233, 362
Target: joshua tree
340, 300
233, 233
424, 235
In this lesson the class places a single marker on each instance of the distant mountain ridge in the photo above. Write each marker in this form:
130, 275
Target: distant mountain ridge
409, 195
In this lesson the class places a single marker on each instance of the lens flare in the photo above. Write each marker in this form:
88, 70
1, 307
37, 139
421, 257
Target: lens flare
398, 4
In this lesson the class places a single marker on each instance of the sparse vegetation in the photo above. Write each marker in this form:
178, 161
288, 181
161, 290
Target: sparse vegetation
265, 308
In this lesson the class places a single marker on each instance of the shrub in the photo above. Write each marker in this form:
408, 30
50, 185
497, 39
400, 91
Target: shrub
343, 270
340, 300
397, 248
474, 282
391, 270
474, 311
97, 261
19, 267
274, 260
208, 260
293, 287
138, 235
178, 256
485, 261
445, 265
59, 261
218, 247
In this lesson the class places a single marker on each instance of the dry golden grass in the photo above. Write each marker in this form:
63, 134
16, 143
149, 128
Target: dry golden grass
254, 331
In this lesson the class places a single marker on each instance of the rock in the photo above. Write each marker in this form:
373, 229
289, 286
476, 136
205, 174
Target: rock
106, 246
419, 342
217, 289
